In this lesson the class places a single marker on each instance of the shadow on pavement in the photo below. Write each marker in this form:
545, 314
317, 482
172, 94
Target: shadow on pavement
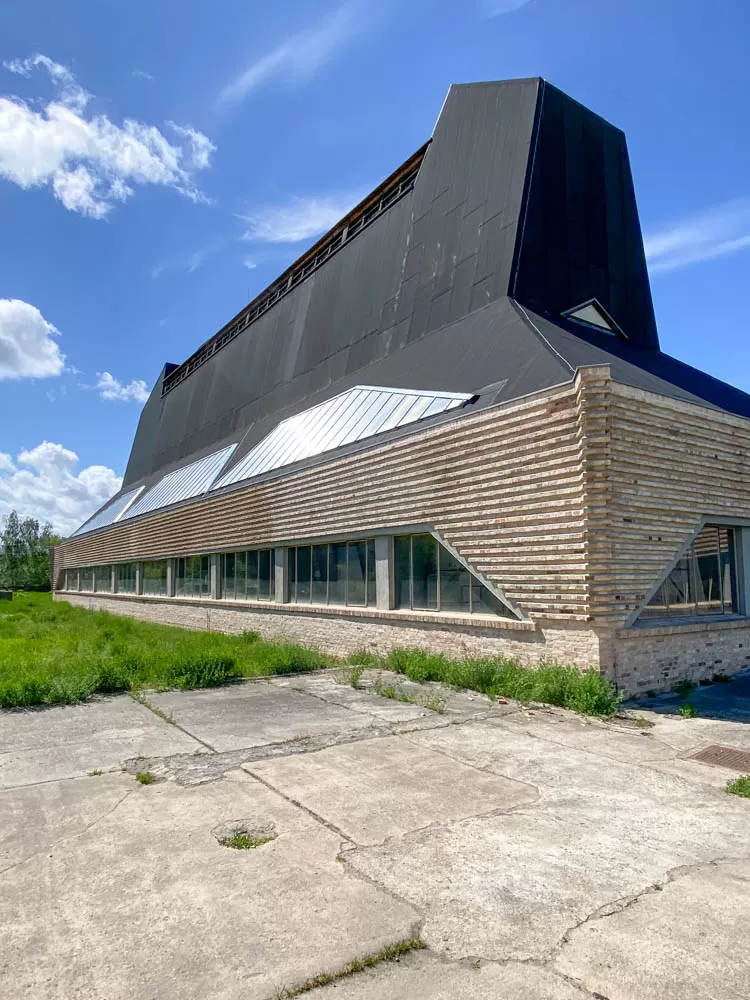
729, 701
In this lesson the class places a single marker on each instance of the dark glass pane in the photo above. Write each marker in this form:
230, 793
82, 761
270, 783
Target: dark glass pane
180, 577
264, 574
484, 602
228, 575
304, 553
205, 578
678, 588
240, 574
424, 572
372, 598
103, 579
252, 576
337, 574
706, 578
87, 578
273, 574
356, 573
455, 584
402, 548
657, 607
319, 574
728, 571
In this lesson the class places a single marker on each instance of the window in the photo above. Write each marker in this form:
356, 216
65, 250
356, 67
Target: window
339, 573
193, 577
71, 579
103, 579
704, 580
593, 313
429, 578
155, 578
86, 578
126, 578
247, 576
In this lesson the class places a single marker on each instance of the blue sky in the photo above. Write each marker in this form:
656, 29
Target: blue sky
160, 163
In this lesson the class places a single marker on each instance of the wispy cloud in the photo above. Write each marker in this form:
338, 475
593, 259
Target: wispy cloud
297, 219
717, 232
297, 59
141, 74
493, 8
89, 162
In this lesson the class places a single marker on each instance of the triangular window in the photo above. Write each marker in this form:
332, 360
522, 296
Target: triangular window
593, 313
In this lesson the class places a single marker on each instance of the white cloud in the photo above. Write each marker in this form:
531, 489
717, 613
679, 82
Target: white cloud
89, 162
27, 345
49, 489
141, 74
717, 232
298, 219
493, 8
299, 58
111, 388
249, 263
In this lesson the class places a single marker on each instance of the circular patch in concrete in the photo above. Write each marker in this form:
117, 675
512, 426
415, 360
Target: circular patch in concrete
243, 834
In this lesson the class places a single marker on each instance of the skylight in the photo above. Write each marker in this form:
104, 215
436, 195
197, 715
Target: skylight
359, 413
593, 313
111, 513
182, 484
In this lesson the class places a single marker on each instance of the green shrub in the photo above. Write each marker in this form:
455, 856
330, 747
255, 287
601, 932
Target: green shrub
687, 711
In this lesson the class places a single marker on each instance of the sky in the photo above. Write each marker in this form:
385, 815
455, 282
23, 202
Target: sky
161, 163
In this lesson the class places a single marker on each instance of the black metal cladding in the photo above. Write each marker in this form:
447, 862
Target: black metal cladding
522, 196
387, 194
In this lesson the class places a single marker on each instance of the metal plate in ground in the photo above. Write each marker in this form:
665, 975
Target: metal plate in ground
730, 757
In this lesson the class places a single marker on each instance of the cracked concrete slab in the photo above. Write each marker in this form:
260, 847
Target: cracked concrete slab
510, 886
685, 942
422, 976
381, 789
69, 741
143, 902
253, 714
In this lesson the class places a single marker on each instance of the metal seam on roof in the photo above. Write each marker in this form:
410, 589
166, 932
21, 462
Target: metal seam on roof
111, 513
361, 412
182, 484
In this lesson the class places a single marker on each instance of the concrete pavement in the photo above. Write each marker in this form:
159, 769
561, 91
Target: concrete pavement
537, 854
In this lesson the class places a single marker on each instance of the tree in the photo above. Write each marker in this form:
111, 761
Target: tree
24, 553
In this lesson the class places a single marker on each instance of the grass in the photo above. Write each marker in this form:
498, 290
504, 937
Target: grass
585, 692
57, 654
390, 953
242, 841
145, 778
687, 711
435, 702
740, 786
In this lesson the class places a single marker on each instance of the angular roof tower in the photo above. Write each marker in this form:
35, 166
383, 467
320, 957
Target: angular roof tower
502, 256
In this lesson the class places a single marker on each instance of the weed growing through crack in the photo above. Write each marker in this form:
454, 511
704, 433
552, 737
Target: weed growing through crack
391, 953
433, 702
687, 711
353, 675
95, 773
739, 786
145, 778
240, 840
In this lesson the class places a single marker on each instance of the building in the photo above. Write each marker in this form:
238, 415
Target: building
449, 424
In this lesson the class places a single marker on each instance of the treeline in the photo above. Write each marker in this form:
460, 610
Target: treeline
24, 553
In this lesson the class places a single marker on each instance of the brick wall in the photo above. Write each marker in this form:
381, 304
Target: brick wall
353, 629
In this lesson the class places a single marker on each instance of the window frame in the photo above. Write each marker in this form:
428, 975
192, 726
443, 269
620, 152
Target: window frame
222, 590
369, 579
741, 532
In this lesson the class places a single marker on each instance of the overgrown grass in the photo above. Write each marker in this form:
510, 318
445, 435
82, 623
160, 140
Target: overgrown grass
53, 653
434, 702
740, 786
585, 692
145, 778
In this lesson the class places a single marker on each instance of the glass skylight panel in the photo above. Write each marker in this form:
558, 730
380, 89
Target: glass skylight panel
182, 484
592, 314
359, 413
111, 513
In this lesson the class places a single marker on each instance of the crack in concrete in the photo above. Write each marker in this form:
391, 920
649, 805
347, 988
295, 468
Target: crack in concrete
72, 836
141, 699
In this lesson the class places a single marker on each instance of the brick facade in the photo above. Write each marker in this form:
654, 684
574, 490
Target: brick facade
573, 501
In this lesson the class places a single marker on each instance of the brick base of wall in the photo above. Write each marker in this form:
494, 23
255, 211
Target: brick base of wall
636, 660
659, 659
379, 632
